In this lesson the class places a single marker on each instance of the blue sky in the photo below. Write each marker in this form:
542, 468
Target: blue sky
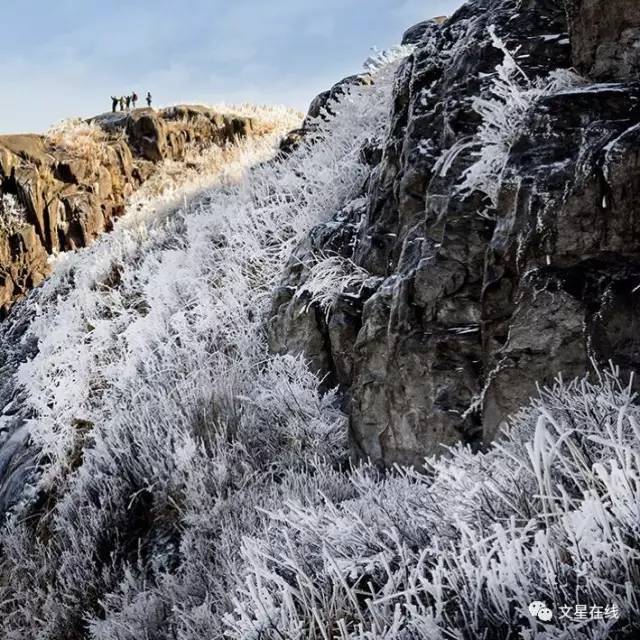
65, 58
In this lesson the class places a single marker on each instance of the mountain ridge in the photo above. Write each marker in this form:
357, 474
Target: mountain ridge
63, 189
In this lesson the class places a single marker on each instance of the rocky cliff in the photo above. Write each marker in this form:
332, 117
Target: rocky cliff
497, 241
70, 185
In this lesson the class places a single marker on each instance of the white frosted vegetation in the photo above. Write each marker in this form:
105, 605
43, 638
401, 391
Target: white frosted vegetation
330, 276
13, 216
164, 426
198, 487
549, 514
504, 113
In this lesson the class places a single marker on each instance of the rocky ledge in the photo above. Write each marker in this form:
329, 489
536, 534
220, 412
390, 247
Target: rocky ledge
60, 191
478, 282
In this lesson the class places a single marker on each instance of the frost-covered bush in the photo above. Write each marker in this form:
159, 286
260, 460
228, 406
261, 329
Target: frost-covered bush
164, 427
550, 514
511, 96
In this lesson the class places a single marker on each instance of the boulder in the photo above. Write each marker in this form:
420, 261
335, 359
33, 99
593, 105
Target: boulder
474, 302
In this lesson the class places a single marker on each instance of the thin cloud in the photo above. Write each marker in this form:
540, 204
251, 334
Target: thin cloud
66, 59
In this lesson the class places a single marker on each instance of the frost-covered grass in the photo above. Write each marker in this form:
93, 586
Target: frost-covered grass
193, 174
380, 59
80, 139
197, 487
164, 427
552, 513
329, 277
268, 118
504, 112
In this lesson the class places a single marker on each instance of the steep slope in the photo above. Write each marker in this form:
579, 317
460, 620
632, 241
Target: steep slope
148, 376
60, 191
165, 475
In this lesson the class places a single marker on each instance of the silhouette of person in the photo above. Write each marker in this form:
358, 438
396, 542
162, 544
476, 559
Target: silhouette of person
114, 104
121, 104
134, 99
128, 101
148, 98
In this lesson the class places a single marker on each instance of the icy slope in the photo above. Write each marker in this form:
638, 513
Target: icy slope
159, 420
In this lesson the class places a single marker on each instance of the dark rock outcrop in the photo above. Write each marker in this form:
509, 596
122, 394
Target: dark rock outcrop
320, 107
414, 34
70, 195
473, 302
605, 38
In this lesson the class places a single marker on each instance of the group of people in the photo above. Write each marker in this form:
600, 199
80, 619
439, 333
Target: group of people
127, 102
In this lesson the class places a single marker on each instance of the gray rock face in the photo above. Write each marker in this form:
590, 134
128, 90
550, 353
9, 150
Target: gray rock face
414, 34
605, 37
466, 313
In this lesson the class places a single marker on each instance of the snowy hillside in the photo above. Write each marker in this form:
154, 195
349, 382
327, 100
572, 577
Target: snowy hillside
172, 468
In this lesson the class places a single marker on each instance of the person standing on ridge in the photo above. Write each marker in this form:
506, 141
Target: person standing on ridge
128, 101
121, 103
134, 99
114, 104
149, 99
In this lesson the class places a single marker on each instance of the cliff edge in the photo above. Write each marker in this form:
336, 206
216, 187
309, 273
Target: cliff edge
61, 190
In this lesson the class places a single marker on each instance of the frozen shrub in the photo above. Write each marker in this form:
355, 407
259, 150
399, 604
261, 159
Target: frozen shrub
164, 427
504, 111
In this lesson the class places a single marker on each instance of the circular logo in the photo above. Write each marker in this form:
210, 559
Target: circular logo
539, 609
